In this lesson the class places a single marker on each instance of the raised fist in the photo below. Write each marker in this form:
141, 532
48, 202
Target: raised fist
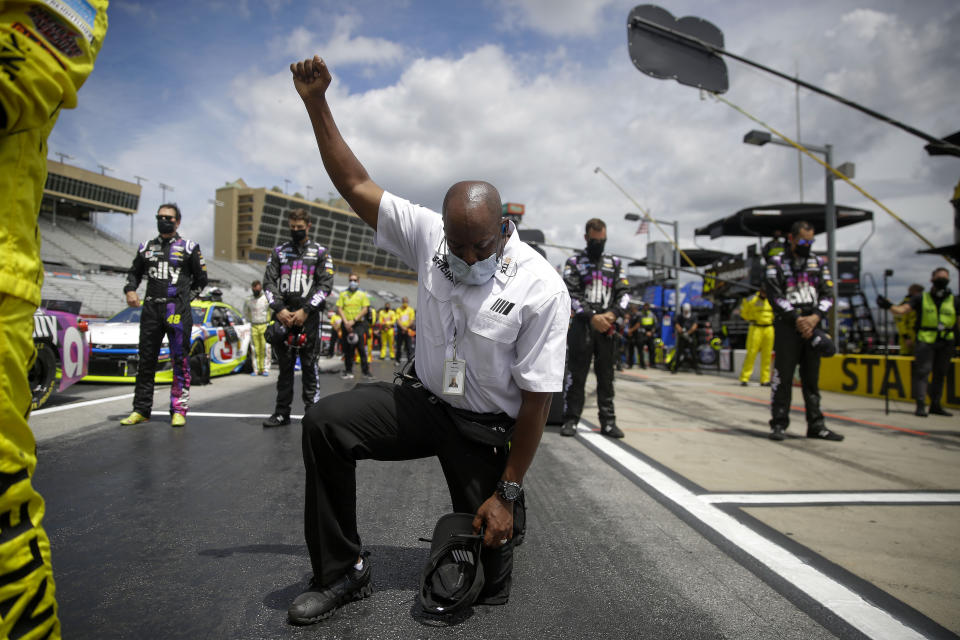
311, 78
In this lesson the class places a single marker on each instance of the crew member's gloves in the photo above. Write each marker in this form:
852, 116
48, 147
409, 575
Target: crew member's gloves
884, 303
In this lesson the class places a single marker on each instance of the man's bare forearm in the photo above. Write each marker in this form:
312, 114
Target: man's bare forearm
348, 175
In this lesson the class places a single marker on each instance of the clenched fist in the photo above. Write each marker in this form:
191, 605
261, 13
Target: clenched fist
311, 78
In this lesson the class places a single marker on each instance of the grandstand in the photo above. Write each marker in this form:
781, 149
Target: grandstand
88, 264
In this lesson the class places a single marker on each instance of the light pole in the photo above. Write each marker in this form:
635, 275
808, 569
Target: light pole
164, 188
676, 254
761, 138
138, 178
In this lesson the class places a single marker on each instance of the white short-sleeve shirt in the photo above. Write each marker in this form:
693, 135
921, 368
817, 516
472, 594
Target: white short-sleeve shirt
511, 330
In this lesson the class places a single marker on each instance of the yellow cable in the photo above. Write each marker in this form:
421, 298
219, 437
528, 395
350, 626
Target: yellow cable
836, 173
649, 217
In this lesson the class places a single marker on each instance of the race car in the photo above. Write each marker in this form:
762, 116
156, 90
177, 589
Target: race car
219, 330
63, 349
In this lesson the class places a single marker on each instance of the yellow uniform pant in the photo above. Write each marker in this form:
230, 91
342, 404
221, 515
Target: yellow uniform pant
259, 345
758, 339
26, 576
386, 343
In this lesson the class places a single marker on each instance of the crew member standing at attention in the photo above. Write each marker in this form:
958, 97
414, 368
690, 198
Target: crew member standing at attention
937, 312
406, 316
757, 311
646, 335
799, 287
353, 305
297, 281
598, 289
686, 328
176, 274
45, 62
387, 319
257, 311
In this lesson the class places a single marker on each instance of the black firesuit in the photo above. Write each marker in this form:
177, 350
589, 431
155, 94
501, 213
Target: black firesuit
686, 343
176, 273
298, 277
796, 286
595, 287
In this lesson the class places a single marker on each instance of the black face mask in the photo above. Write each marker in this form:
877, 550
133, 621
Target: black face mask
802, 250
940, 283
257, 293
595, 248
166, 226
298, 235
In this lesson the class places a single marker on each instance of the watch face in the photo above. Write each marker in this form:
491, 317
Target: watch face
509, 491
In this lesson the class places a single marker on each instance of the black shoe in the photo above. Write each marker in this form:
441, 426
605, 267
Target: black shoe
777, 434
744, 384
921, 411
764, 384
825, 434
369, 376
277, 420
937, 410
569, 428
318, 603
612, 430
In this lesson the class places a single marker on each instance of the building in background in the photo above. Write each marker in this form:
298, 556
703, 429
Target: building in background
249, 222
77, 193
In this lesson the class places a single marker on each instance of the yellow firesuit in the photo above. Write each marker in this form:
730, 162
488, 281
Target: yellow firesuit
47, 50
386, 319
758, 312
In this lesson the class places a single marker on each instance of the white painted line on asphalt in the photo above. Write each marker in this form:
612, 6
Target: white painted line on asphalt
203, 414
77, 405
828, 497
845, 603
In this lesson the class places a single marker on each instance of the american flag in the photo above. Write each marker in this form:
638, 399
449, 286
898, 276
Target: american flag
643, 228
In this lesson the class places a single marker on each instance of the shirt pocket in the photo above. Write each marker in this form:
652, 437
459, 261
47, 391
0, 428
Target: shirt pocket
493, 347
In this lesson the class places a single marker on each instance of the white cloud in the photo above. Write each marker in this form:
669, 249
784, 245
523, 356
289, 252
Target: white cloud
342, 45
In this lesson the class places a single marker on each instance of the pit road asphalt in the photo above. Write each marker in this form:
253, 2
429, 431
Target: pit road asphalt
197, 532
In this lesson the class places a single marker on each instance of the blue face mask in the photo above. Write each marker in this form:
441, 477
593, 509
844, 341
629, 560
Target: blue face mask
472, 274
353, 285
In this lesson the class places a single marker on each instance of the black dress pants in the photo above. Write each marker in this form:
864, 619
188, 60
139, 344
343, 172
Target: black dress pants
792, 350
583, 346
384, 421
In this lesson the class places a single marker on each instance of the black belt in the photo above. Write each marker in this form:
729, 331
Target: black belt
159, 300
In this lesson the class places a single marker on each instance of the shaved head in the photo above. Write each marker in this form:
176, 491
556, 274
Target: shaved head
471, 219
475, 197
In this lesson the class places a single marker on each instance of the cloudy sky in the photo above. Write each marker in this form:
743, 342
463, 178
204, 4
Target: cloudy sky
531, 95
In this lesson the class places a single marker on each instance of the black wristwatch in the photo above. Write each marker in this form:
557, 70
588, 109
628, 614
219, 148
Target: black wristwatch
509, 491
